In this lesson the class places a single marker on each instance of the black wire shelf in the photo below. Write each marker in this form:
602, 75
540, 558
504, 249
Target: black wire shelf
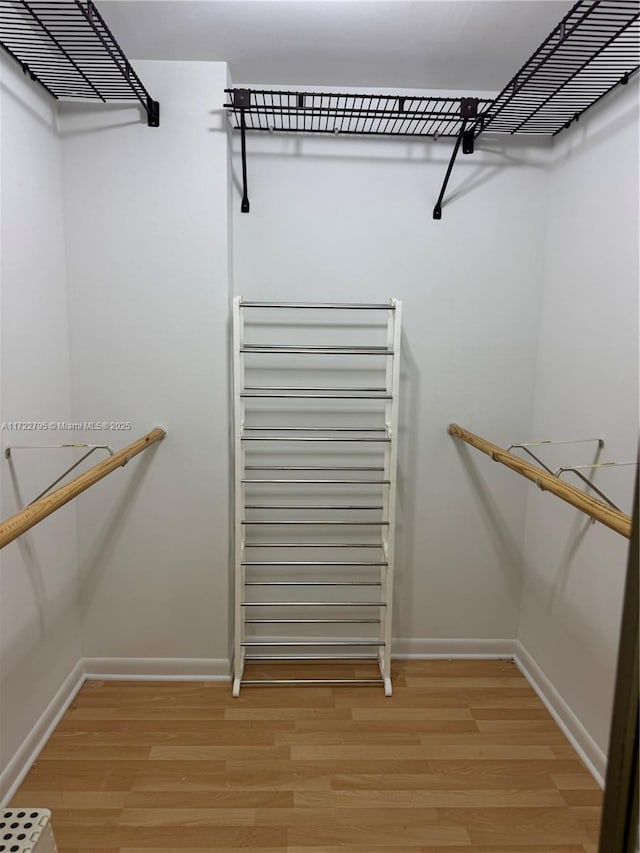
339, 113
66, 46
593, 49
355, 115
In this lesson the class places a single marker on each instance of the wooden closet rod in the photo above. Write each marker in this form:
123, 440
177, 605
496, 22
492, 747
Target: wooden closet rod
19, 523
614, 519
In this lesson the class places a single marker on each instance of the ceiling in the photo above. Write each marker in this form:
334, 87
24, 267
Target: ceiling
469, 45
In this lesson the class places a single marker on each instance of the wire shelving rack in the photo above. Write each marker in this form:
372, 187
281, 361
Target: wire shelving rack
66, 46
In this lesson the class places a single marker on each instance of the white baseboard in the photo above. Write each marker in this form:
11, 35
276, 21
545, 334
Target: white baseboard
155, 669
586, 747
405, 649
15, 771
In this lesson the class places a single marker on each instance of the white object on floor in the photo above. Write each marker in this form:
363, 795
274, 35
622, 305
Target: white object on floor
26, 831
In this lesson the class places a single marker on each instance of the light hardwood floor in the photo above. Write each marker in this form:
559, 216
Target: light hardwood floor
463, 757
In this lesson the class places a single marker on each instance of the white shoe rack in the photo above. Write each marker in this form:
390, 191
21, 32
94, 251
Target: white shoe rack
316, 444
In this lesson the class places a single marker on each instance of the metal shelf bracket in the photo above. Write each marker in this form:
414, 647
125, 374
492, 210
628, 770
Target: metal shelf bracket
468, 112
574, 469
546, 443
242, 102
577, 469
153, 112
92, 449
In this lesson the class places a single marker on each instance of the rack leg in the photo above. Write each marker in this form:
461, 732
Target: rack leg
384, 663
238, 672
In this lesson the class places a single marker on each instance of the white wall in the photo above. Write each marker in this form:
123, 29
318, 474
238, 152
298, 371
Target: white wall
149, 260
39, 617
345, 220
147, 244
586, 385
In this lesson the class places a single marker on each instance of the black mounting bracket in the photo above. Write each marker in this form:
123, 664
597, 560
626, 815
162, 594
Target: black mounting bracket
469, 107
468, 112
153, 113
242, 101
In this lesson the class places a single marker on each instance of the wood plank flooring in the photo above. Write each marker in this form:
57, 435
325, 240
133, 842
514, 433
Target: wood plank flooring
463, 757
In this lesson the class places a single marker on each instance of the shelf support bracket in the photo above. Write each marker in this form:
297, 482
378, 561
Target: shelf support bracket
242, 101
153, 112
468, 110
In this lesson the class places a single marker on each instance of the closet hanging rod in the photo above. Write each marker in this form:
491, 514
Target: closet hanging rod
610, 517
348, 306
22, 521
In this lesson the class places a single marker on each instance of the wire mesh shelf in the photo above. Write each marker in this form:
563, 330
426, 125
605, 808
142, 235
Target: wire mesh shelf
340, 113
66, 46
594, 48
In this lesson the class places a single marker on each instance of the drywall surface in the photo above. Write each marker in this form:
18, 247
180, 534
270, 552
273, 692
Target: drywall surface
146, 211
39, 616
351, 220
586, 386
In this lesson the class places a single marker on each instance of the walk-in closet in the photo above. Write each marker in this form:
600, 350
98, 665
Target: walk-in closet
319, 407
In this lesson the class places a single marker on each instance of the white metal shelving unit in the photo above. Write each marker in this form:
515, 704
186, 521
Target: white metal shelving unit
316, 444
